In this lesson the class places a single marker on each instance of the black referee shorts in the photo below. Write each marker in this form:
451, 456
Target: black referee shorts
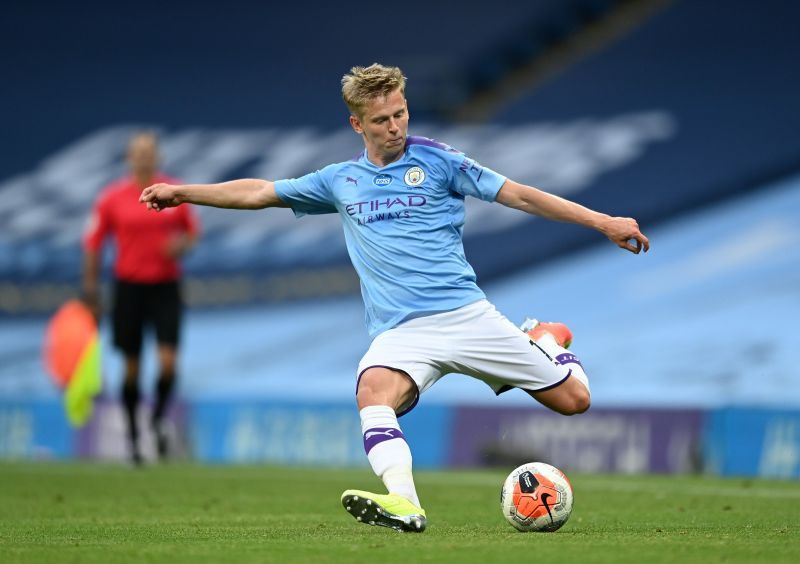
139, 306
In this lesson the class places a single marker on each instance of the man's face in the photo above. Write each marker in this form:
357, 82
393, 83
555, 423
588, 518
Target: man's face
143, 154
384, 126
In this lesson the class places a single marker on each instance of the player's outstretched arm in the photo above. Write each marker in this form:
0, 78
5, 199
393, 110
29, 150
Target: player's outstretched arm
623, 231
244, 194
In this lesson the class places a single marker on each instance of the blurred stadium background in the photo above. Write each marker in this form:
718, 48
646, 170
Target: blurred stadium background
683, 114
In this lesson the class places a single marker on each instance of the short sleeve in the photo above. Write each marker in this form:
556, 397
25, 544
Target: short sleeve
309, 194
471, 178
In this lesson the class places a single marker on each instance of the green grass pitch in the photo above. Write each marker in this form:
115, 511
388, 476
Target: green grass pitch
84, 512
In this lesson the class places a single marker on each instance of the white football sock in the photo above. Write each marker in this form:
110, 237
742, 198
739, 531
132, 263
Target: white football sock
388, 451
563, 356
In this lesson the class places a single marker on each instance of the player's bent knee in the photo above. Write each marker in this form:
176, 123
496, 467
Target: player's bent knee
573, 405
384, 386
578, 398
581, 402
570, 398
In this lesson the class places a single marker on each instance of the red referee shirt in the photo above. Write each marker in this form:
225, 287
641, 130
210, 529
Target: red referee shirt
141, 235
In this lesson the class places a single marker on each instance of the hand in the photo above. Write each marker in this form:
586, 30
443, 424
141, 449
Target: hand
177, 246
91, 300
160, 196
624, 231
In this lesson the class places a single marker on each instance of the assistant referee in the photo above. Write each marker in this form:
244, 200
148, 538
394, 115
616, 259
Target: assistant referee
146, 289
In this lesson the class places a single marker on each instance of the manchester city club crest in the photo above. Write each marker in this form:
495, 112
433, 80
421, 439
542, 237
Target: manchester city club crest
414, 176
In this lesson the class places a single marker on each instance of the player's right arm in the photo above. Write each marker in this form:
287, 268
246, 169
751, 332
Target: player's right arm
95, 232
90, 291
243, 194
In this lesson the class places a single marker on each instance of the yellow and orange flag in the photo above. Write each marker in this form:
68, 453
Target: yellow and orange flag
71, 354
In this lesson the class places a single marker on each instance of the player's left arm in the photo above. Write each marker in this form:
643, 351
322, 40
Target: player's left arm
181, 244
184, 241
623, 231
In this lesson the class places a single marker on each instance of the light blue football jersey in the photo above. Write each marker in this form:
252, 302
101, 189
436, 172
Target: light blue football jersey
403, 225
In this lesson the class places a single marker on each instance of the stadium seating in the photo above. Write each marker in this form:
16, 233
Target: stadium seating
686, 131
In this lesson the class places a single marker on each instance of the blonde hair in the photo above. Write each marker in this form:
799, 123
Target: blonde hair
363, 84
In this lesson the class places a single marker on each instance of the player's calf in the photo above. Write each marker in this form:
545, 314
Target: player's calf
572, 396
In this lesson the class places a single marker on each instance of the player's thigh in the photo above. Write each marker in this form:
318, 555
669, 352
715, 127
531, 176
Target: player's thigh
127, 317
411, 349
494, 350
165, 311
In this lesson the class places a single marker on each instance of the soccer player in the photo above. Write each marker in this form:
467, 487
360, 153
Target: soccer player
147, 279
402, 208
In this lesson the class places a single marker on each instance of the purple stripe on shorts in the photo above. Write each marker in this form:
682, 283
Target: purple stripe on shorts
551, 386
568, 358
378, 435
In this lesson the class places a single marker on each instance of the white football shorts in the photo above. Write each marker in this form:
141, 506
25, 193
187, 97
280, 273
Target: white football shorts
476, 340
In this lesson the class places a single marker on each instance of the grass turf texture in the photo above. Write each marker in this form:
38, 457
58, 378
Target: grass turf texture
82, 512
